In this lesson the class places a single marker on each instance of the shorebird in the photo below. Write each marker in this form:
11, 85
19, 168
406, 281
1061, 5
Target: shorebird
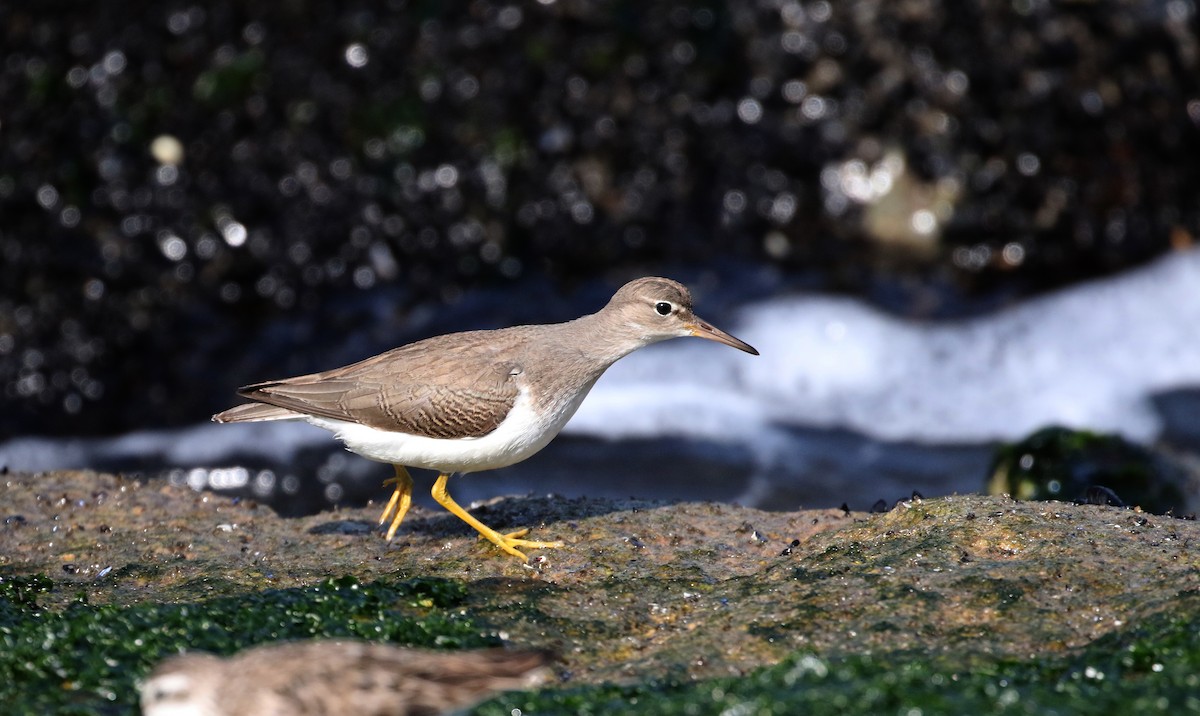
479, 400
335, 677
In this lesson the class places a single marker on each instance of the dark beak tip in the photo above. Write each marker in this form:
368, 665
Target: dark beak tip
711, 332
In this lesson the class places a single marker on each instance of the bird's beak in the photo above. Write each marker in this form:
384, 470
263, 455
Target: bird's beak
704, 329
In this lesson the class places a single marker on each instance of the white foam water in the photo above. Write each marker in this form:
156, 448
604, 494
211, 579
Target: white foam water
1090, 356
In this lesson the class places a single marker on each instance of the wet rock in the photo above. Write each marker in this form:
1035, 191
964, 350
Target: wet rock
641, 592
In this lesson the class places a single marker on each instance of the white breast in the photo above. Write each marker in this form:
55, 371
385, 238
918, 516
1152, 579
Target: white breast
522, 433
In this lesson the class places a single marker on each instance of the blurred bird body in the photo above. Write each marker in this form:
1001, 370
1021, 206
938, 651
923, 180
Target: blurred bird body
335, 677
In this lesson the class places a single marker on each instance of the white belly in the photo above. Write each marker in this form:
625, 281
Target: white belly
522, 433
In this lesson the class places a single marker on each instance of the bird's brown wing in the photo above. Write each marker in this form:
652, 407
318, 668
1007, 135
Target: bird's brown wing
437, 388
340, 677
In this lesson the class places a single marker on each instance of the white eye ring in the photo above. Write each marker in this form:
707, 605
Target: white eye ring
663, 308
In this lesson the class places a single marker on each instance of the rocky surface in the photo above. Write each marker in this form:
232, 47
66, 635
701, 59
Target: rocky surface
640, 592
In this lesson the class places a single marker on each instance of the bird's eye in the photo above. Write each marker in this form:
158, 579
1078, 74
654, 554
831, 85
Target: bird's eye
663, 308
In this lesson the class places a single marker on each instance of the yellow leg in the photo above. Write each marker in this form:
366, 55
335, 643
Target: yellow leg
398, 506
507, 542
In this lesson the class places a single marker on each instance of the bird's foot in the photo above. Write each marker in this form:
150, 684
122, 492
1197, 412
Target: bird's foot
515, 538
510, 541
401, 500
507, 542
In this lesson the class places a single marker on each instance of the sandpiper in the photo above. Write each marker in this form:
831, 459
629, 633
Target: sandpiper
479, 400
335, 677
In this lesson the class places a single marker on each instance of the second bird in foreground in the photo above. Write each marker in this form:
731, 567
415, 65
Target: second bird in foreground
309, 678
479, 400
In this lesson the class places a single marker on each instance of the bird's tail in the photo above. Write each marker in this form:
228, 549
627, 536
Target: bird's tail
253, 413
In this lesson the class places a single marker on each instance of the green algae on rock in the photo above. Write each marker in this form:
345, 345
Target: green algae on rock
666, 604
86, 659
1148, 668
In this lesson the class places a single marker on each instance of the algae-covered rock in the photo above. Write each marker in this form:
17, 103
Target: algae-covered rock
684, 608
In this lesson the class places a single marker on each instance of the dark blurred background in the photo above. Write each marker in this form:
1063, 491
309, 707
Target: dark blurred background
194, 196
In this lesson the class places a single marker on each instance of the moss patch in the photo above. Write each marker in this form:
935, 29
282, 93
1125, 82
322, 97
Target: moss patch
1151, 668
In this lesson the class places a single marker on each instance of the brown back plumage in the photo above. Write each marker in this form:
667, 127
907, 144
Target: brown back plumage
338, 677
417, 388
